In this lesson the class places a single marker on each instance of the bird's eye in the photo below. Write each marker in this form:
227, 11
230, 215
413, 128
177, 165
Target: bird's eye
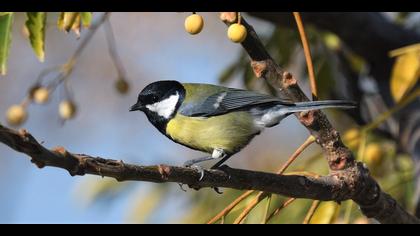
151, 99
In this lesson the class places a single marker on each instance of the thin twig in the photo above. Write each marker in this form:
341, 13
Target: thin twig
307, 52
401, 104
89, 35
311, 212
290, 160
261, 195
267, 209
310, 140
66, 69
112, 48
230, 207
277, 211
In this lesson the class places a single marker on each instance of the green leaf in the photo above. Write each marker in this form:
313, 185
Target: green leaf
66, 20
35, 24
86, 19
5, 40
76, 26
405, 50
95, 189
326, 213
144, 206
405, 74
5, 13
60, 21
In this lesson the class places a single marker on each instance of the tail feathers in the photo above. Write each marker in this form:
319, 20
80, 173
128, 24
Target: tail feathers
317, 105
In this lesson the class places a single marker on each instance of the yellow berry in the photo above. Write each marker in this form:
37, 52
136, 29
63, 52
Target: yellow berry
122, 86
67, 110
194, 24
16, 115
373, 154
352, 137
237, 33
41, 95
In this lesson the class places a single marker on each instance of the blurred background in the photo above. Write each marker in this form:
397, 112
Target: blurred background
155, 46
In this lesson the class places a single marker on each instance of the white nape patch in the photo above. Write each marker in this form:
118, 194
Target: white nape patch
219, 100
166, 107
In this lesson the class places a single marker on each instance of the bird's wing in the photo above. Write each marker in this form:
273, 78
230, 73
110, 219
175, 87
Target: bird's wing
229, 100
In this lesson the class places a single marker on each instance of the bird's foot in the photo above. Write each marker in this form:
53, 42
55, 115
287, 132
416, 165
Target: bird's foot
181, 186
198, 168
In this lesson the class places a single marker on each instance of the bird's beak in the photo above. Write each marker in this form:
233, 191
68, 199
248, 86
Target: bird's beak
136, 107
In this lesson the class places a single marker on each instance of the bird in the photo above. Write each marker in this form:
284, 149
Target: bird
217, 120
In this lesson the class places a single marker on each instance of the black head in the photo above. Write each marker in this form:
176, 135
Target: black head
159, 101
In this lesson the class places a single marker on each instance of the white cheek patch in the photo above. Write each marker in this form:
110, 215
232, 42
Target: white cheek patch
165, 108
219, 100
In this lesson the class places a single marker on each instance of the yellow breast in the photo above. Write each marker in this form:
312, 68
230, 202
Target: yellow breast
230, 132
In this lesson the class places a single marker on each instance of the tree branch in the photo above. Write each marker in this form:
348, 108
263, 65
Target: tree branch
335, 187
355, 29
364, 190
322, 188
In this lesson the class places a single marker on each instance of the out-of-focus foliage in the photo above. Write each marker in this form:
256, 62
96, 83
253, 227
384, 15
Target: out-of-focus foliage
6, 19
86, 18
68, 20
35, 24
326, 213
406, 70
35, 28
143, 207
93, 189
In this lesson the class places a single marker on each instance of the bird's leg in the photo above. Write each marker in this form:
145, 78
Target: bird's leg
193, 164
216, 154
219, 163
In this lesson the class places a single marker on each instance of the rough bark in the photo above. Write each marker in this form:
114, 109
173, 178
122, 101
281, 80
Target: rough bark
334, 187
371, 36
365, 190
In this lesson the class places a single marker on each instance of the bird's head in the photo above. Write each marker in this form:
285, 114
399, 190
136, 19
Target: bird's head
160, 100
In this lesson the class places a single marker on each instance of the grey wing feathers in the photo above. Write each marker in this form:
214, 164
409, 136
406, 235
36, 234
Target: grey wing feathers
230, 100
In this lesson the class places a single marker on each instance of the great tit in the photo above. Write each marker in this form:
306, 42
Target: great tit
215, 119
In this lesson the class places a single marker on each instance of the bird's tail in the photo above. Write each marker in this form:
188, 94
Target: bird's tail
316, 105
